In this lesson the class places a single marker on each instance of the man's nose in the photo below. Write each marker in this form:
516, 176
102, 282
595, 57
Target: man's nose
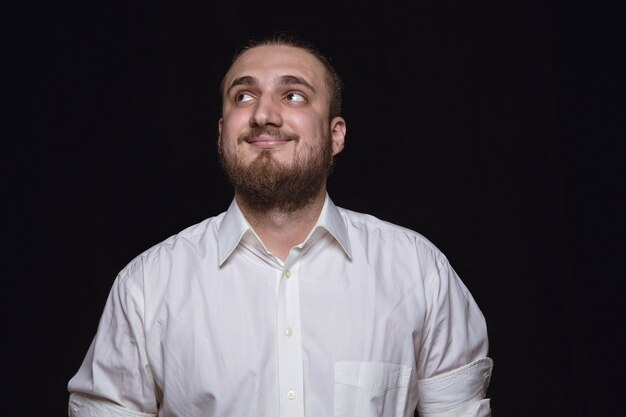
266, 112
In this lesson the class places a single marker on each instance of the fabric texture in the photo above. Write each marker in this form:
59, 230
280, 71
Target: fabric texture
363, 318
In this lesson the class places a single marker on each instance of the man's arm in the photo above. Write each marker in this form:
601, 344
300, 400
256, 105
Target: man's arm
115, 378
453, 367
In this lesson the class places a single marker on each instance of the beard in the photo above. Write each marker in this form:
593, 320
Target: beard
267, 184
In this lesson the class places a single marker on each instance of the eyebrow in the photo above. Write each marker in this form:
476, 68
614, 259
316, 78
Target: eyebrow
294, 80
281, 80
245, 80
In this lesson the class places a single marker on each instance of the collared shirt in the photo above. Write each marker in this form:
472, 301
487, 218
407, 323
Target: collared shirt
363, 318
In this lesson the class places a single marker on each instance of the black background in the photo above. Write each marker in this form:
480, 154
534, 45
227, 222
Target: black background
493, 128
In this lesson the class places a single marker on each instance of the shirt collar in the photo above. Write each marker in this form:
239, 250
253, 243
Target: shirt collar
234, 225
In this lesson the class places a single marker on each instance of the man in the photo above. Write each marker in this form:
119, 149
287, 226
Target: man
286, 305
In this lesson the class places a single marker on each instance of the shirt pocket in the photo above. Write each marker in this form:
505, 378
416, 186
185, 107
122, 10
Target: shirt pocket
370, 389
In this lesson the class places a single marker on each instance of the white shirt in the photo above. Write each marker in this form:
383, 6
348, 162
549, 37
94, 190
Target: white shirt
364, 318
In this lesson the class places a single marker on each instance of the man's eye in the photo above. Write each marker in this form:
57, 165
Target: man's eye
243, 97
295, 97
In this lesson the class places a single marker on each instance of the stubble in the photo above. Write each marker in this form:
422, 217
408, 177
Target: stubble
267, 184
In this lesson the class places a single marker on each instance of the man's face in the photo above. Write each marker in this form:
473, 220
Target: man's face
275, 136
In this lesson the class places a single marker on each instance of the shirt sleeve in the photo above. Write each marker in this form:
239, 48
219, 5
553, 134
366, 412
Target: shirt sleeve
115, 374
82, 405
453, 367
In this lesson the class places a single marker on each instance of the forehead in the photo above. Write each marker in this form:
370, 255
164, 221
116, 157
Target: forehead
267, 62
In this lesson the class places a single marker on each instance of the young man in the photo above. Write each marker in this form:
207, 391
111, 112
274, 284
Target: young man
286, 305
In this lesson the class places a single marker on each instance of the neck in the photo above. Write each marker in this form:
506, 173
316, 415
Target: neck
280, 230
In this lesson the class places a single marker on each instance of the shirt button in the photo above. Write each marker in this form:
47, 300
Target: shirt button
288, 331
287, 273
291, 395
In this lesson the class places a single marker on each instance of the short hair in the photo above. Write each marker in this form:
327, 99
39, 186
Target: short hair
333, 82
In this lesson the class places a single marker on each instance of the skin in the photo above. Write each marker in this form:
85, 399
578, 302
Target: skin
281, 89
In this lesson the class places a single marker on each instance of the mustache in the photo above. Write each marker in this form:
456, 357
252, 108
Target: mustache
268, 131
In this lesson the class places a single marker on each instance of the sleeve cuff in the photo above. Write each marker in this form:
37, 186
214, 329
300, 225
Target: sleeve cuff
457, 393
82, 405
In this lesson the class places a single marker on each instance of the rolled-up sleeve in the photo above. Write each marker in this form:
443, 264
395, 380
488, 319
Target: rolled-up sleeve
460, 392
82, 405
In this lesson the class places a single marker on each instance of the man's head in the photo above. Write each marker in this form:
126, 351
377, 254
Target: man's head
280, 127
334, 84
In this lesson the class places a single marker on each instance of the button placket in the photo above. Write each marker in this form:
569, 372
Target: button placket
290, 372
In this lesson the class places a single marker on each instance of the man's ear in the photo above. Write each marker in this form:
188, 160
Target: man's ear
338, 134
219, 132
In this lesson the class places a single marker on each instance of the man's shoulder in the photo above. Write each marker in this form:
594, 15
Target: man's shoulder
197, 237
384, 231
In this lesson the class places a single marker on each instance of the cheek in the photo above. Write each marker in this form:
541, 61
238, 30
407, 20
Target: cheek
230, 133
234, 120
309, 127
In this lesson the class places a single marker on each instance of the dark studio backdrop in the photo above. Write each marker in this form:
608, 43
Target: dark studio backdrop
492, 128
